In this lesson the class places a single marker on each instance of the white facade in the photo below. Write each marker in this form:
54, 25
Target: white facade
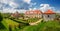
48, 17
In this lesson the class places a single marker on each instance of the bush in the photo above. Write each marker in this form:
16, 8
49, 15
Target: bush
1, 18
1, 25
32, 20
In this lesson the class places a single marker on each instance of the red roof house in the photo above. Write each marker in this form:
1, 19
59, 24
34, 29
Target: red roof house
33, 13
49, 12
49, 15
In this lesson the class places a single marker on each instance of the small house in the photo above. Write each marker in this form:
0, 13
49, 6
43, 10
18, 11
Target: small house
48, 15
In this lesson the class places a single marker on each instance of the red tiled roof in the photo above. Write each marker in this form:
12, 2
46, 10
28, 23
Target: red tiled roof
37, 12
33, 12
49, 12
27, 12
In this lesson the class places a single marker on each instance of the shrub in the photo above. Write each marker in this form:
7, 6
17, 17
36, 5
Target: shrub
1, 25
1, 18
32, 20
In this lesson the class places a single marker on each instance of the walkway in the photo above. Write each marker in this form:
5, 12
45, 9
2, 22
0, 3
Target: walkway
35, 23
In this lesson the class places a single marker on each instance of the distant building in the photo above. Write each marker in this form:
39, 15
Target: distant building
48, 15
15, 15
33, 14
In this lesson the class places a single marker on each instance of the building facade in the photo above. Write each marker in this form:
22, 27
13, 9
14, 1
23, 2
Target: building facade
33, 14
47, 15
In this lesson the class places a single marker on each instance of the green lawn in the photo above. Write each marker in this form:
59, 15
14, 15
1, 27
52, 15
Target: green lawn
7, 22
43, 26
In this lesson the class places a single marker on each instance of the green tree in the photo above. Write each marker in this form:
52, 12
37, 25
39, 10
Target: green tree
22, 15
1, 18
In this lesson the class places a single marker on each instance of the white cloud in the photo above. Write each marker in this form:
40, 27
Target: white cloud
30, 8
34, 8
45, 7
31, 4
22, 11
10, 2
0, 10
27, 1
8, 10
0, 5
34, 3
5, 1
57, 11
13, 5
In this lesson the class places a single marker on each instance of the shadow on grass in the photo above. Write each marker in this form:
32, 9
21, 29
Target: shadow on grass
2, 26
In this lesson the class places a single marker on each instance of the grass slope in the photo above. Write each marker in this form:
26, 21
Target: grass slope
44, 26
7, 22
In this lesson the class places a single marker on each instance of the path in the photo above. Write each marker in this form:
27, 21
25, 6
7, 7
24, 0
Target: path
35, 23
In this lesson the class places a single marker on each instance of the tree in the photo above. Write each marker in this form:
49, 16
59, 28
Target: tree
1, 25
57, 17
1, 18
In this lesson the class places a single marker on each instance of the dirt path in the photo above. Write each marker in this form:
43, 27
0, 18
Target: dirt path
35, 23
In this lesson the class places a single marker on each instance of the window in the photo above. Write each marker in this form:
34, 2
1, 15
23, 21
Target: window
48, 15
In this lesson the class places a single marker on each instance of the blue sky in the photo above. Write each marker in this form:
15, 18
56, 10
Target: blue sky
13, 5
53, 3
